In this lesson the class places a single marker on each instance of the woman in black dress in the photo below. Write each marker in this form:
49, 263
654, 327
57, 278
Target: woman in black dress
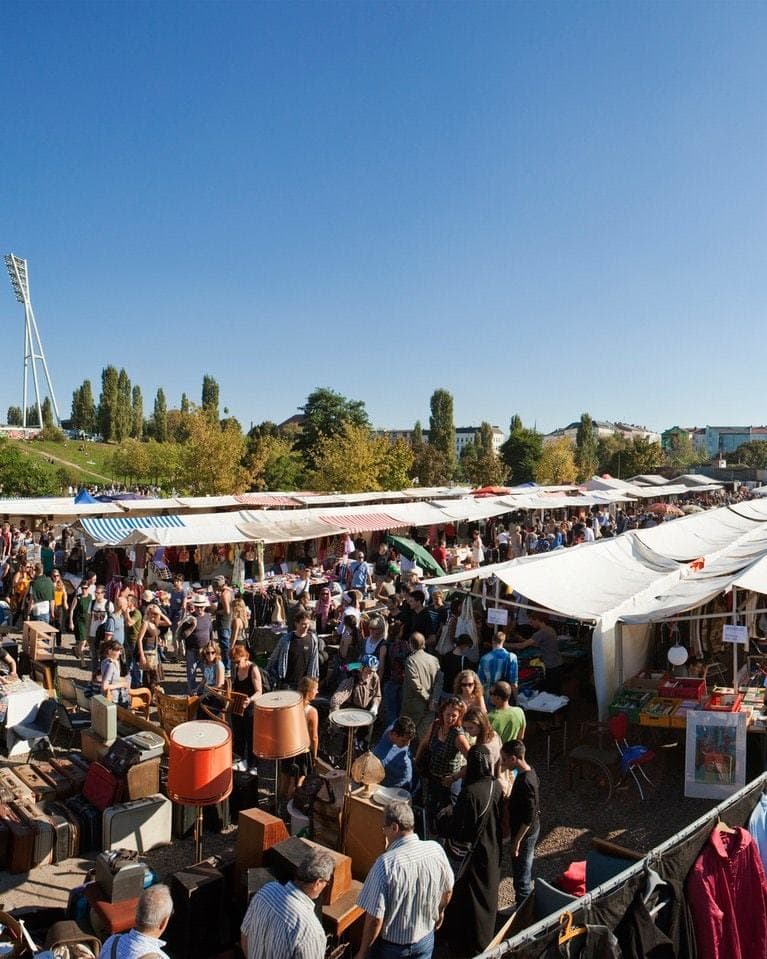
474, 846
246, 682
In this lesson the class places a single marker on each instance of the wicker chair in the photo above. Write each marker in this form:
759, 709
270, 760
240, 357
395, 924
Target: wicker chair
174, 710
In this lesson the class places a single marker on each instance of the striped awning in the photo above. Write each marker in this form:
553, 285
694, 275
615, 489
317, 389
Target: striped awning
111, 529
361, 522
266, 499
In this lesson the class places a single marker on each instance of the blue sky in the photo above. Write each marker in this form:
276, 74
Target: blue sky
544, 208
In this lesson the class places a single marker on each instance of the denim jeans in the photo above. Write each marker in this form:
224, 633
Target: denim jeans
191, 669
416, 950
224, 635
41, 617
522, 865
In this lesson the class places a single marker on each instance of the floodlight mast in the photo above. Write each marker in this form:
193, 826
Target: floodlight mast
33, 346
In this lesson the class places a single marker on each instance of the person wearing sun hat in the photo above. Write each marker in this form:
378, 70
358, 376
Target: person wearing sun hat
196, 628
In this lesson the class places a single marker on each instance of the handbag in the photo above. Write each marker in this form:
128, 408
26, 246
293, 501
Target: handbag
446, 637
468, 625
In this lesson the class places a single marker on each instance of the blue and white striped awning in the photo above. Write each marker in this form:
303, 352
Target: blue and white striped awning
111, 529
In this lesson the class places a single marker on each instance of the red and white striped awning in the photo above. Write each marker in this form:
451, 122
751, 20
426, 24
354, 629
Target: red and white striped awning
266, 499
361, 522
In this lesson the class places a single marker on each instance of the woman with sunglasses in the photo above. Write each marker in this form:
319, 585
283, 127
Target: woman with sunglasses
212, 680
440, 756
468, 688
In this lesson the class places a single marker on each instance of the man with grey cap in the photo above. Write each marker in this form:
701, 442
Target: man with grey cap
154, 909
281, 922
405, 892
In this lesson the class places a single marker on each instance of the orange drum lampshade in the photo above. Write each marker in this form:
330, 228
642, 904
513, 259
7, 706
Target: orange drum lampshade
200, 770
279, 725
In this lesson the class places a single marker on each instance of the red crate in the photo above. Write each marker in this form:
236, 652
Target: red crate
724, 703
686, 688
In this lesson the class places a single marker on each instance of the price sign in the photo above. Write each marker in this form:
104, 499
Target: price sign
497, 617
735, 634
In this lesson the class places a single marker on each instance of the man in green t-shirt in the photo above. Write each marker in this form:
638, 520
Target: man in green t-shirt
40, 596
507, 719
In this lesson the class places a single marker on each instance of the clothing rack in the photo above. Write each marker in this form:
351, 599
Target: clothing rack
551, 922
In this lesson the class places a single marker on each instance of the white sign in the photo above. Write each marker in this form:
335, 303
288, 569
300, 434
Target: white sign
735, 634
497, 617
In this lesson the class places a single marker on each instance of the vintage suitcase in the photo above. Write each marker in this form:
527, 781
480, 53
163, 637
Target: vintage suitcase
61, 783
120, 876
32, 779
141, 824
89, 819
93, 746
285, 857
214, 818
69, 828
257, 831
122, 754
42, 854
104, 718
21, 846
72, 770
142, 780
5, 839
62, 835
149, 744
197, 927
101, 787
13, 786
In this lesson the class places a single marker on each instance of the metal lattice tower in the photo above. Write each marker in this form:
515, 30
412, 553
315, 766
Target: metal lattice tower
33, 346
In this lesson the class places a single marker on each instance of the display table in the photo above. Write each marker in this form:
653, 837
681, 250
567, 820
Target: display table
19, 702
550, 717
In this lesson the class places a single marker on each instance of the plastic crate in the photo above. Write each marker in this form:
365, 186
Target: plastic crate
658, 712
724, 702
630, 702
679, 717
687, 688
647, 681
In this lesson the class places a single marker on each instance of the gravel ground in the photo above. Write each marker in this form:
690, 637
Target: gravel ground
570, 816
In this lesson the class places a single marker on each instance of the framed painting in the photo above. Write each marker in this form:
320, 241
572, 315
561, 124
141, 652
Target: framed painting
715, 757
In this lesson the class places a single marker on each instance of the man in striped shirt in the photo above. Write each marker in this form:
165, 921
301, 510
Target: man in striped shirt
281, 922
405, 893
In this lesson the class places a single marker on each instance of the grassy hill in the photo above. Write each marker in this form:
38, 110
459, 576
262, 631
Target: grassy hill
89, 462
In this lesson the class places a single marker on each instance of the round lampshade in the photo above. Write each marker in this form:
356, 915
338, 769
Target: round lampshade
368, 770
200, 763
279, 725
678, 655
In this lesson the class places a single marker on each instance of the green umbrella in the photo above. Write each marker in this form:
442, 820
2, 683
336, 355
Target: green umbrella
408, 547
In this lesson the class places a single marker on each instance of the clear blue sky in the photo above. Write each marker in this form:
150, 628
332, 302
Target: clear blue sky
543, 208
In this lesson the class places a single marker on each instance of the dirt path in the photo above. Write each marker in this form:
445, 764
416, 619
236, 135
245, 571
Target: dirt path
63, 462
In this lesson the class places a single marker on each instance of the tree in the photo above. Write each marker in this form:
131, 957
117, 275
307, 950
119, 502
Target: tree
441, 426
357, 460
557, 463
124, 411
83, 408
479, 462
753, 454
22, 475
611, 452
641, 456
682, 453
186, 406
46, 408
210, 396
325, 415
108, 400
160, 417
211, 458
431, 467
586, 448
137, 414
33, 418
521, 451
15, 416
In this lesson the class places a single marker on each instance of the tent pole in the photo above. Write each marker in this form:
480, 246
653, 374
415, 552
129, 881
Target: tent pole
260, 561
735, 645
495, 604
619, 651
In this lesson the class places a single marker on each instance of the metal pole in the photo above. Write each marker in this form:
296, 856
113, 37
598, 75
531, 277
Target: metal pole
619, 651
735, 645
198, 835
348, 789
26, 373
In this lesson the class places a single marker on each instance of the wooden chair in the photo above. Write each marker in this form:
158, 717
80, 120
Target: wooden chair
223, 701
174, 710
141, 701
44, 674
67, 692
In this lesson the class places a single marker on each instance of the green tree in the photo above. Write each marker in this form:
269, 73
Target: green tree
753, 454
326, 413
431, 467
357, 460
108, 401
68, 476
84, 408
22, 475
611, 454
131, 461
33, 419
46, 408
480, 464
682, 453
586, 458
211, 458
137, 414
124, 411
160, 417
521, 451
442, 427
186, 406
210, 396
557, 463
641, 455
15, 416
396, 464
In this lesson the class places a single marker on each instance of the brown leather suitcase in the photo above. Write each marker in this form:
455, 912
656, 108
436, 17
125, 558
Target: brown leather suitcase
22, 841
45, 839
73, 771
13, 786
62, 785
5, 840
34, 781
59, 811
142, 780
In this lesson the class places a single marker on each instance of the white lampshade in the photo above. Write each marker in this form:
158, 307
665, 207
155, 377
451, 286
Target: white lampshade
678, 655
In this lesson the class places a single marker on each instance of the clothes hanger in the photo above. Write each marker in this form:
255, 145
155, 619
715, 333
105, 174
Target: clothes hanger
567, 930
722, 826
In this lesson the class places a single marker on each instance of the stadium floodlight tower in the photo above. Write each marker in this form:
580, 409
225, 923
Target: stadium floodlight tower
33, 346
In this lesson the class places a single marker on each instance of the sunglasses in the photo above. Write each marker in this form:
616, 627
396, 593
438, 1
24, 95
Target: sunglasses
467, 685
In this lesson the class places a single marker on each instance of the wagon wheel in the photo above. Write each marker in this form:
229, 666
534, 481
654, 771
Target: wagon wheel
594, 779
